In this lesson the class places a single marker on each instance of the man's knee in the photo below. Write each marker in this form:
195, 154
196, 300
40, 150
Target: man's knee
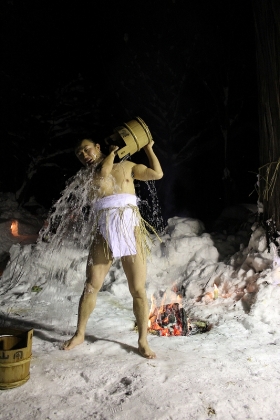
139, 292
90, 289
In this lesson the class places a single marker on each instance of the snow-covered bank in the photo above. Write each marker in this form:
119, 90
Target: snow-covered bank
230, 372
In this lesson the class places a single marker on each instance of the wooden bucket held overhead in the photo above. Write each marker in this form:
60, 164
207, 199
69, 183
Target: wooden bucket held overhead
135, 134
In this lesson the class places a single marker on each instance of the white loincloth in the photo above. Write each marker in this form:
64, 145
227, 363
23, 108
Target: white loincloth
116, 218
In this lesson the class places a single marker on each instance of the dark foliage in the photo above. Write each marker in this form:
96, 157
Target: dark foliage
268, 59
186, 68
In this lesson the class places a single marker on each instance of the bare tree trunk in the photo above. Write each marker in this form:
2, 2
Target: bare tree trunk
267, 23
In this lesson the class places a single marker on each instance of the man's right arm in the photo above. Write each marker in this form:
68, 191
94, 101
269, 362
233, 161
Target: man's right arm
106, 165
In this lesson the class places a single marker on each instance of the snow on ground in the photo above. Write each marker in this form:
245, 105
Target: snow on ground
229, 372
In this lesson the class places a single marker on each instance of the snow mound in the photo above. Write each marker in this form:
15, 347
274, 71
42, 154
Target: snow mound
186, 262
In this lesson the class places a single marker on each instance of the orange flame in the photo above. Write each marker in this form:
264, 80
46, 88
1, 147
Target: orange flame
159, 316
216, 291
14, 228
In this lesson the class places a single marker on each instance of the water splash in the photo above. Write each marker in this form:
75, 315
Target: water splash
53, 264
53, 270
127, 157
149, 205
70, 218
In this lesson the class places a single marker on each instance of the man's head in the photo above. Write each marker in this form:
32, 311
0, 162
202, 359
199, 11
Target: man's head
88, 151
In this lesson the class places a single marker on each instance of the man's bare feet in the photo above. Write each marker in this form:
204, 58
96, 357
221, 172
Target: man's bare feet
73, 342
145, 351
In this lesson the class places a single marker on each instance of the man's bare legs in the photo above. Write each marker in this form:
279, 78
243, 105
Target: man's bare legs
97, 268
135, 269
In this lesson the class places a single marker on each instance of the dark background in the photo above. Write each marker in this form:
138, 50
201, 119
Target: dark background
186, 67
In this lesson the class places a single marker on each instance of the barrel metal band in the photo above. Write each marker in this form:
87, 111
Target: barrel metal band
20, 362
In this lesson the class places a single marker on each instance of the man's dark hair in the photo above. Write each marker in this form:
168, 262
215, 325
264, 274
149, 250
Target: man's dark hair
83, 137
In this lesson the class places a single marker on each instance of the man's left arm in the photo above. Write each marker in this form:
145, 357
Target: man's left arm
154, 171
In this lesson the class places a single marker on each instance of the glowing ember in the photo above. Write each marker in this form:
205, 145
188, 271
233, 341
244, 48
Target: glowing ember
171, 320
14, 228
168, 320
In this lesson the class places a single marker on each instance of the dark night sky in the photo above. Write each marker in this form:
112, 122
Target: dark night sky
133, 58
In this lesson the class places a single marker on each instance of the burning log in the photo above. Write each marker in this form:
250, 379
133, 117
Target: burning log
171, 320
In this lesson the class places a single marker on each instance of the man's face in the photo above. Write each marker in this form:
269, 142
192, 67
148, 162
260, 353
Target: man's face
88, 152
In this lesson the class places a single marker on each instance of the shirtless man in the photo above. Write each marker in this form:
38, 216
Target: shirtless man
115, 181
